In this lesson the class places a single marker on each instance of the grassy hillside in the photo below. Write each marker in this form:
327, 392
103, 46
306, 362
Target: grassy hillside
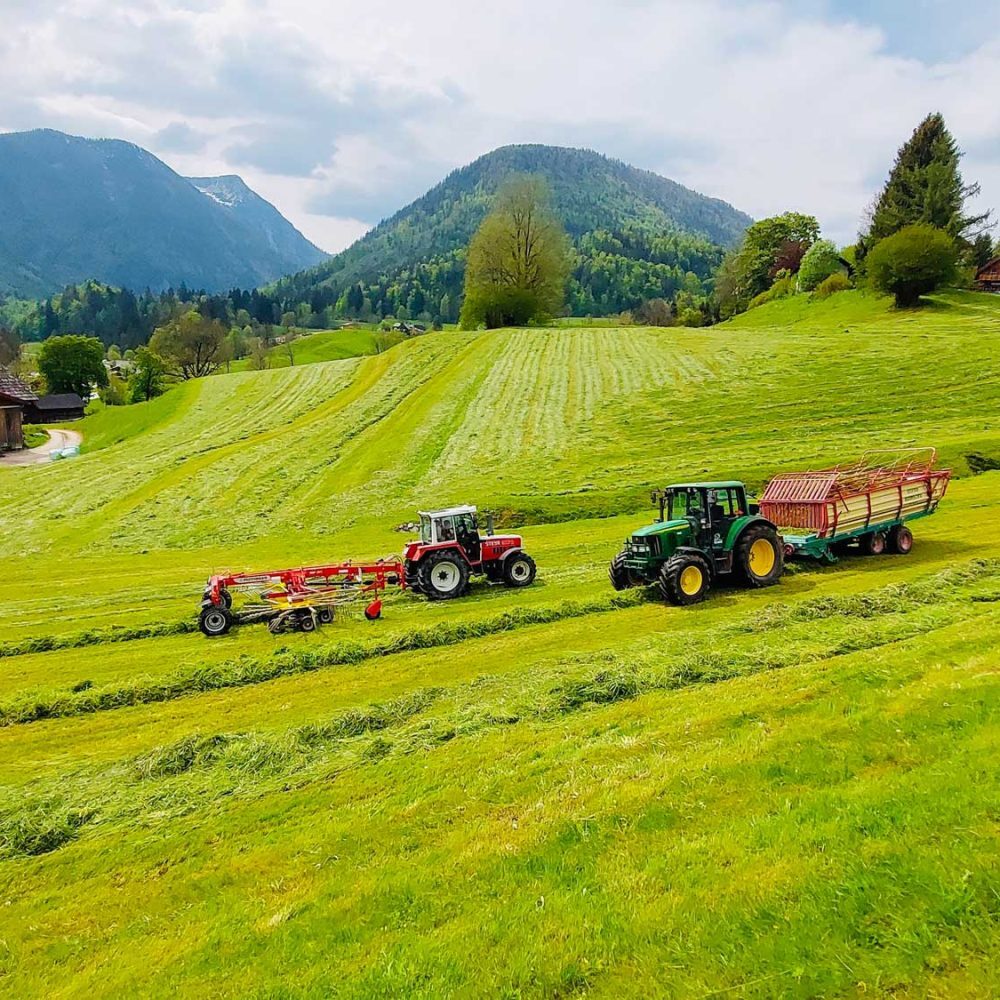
549, 792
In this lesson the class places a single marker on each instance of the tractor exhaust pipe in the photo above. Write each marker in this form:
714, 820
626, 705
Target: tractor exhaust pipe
489, 525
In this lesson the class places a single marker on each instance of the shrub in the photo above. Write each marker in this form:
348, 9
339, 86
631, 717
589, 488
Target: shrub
820, 261
916, 260
782, 287
836, 282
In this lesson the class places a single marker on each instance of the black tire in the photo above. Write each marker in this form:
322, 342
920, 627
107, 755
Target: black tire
621, 576
325, 615
873, 544
307, 622
215, 621
678, 582
759, 558
443, 575
373, 616
901, 540
411, 575
224, 596
519, 570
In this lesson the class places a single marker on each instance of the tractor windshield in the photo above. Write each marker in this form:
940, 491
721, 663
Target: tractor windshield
425, 530
684, 503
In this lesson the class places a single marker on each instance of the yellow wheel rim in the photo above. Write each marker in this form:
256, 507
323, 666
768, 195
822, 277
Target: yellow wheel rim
762, 557
691, 579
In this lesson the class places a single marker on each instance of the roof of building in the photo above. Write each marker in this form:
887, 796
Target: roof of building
61, 401
12, 387
988, 266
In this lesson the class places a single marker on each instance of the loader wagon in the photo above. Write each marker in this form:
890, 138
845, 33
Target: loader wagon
821, 514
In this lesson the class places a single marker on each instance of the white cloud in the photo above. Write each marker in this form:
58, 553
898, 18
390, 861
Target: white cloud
340, 113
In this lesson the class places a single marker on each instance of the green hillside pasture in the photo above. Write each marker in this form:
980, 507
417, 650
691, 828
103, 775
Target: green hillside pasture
557, 792
322, 345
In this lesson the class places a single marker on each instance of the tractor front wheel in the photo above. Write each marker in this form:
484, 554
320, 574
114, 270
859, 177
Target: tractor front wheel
519, 570
760, 556
621, 576
443, 575
901, 540
684, 579
215, 621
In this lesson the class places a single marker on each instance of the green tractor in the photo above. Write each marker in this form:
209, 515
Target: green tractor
705, 530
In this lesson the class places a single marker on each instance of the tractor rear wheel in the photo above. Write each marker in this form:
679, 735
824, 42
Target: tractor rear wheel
519, 570
685, 578
621, 576
759, 556
411, 575
901, 540
873, 544
443, 575
214, 621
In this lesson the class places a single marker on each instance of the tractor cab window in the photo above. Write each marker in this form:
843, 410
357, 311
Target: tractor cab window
426, 532
446, 529
721, 504
685, 503
466, 524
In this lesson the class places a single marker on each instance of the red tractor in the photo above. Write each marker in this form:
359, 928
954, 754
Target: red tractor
451, 550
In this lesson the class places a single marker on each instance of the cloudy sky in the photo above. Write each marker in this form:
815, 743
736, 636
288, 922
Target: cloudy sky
340, 113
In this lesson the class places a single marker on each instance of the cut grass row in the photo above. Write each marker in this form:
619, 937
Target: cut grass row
746, 647
582, 847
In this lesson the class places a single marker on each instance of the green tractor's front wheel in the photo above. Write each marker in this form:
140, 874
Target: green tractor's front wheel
759, 558
621, 576
684, 579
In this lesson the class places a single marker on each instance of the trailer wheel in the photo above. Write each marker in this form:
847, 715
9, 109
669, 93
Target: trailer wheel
215, 621
307, 623
325, 615
901, 540
760, 556
519, 570
684, 579
443, 575
873, 544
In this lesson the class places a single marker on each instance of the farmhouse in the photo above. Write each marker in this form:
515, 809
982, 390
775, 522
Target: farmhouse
14, 397
55, 409
988, 276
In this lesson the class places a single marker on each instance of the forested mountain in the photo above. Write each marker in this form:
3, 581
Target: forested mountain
73, 209
638, 236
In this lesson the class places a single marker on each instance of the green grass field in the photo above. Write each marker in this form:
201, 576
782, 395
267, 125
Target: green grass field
310, 348
551, 792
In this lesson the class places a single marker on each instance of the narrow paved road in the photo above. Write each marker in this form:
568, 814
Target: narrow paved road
58, 439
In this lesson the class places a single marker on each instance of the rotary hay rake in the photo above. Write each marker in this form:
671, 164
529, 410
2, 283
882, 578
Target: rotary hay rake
297, 600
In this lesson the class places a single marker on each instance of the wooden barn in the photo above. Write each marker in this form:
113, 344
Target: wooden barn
988, 276
55, 409
14, 397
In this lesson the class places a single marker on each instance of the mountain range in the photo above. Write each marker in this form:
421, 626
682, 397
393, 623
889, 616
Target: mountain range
74, 208
642, 233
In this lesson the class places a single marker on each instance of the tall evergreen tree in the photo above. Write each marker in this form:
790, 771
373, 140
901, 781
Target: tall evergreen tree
924, 186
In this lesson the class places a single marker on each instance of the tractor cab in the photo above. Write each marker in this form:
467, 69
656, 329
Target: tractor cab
454, 524
710, 508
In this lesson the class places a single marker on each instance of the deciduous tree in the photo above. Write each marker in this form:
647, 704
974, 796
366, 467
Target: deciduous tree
912, 262
73, 364
191, 345
148, 378
519, 260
